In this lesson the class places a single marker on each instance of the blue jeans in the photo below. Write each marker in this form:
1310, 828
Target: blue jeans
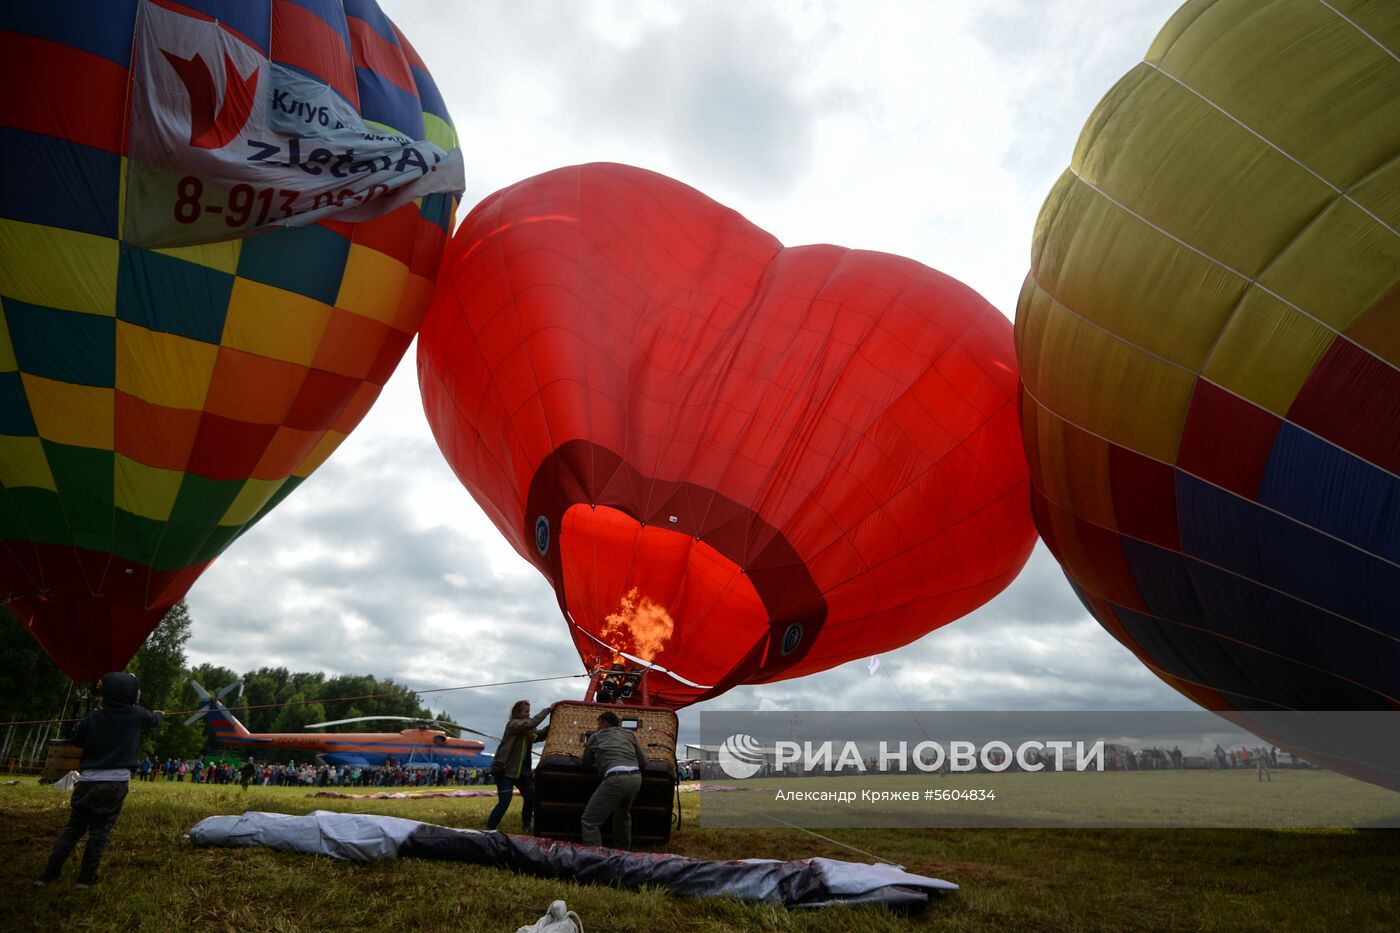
504, 786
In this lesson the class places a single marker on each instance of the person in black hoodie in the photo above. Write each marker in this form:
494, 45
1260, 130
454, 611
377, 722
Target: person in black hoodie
110, 738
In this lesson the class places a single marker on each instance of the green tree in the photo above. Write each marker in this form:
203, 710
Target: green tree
374, 697
174, 739
160, 665
313, 712
445, 717
160, 662
211, 677
309, 683
33, 687
264, 689
295, 716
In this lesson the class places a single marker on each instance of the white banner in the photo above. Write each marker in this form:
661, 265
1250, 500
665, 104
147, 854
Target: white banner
225, 143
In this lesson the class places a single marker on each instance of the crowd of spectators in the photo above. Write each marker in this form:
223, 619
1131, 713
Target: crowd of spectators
1246, 757
1116, 758
396, 774
267, 774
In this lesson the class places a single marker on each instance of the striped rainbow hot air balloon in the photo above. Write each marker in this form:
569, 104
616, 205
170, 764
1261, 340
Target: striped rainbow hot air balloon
155, 403
1209, 341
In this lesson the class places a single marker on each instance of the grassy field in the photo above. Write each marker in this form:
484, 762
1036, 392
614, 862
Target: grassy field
1207, 799
1022, 879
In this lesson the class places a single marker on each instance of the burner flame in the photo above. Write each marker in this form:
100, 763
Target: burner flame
640, 626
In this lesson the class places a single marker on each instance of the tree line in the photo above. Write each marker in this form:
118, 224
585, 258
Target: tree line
274, 699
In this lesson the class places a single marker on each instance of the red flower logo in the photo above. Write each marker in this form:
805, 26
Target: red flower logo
209, 130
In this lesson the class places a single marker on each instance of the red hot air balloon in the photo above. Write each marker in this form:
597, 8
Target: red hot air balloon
735, 462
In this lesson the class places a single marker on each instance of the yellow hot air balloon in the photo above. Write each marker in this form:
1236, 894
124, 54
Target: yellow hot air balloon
1209, 341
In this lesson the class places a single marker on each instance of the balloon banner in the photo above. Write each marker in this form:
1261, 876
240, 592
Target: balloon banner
225, 142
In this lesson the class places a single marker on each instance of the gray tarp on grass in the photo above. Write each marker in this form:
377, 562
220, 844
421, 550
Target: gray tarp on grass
815, 882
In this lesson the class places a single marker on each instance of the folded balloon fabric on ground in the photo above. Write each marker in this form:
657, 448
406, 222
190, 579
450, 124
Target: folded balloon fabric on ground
360, 837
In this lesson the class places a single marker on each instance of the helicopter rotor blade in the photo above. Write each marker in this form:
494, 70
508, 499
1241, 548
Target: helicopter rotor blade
206, 702
226, 690
339, 722
420, 722
461, 728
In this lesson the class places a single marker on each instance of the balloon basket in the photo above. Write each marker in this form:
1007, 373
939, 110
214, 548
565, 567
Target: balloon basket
63, 757
563, 786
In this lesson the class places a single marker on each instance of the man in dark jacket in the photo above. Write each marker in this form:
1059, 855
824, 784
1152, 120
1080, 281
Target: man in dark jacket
619, 758
110, 738
247, 773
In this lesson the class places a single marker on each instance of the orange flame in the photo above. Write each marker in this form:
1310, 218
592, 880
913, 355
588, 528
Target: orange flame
640, 626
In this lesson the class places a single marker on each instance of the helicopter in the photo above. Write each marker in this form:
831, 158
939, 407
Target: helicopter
423, 743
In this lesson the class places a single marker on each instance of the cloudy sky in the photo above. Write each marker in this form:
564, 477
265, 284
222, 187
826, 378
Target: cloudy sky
929, 129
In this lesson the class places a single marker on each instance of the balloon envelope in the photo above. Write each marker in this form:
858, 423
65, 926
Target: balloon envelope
734, 461
155, 404
1209, 340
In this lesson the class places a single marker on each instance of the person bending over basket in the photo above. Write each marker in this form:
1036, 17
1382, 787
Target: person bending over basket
619, 758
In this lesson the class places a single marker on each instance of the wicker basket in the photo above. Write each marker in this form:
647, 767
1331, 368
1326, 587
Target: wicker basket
563, 785
572, 722
63, 757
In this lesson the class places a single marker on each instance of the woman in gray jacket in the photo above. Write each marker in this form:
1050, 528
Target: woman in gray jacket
512, 767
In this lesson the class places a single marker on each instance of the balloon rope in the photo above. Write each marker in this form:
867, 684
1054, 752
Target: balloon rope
907, 708
367, 696
838, 842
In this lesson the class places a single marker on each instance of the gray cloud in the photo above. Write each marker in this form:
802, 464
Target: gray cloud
1061, 59
728, 89
726, 93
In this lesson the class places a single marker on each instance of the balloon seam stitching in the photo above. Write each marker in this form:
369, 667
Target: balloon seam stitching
1357, 26
1250, 645
1177, 467
1250, 282
1189, 371
1234, 573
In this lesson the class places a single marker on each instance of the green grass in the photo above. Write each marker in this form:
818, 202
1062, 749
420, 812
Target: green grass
1292, 799
1230, 880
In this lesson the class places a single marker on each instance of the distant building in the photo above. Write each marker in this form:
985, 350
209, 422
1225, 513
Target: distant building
711, 753
707, 756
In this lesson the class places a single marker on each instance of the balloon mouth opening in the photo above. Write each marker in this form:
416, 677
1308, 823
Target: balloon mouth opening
651, 596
